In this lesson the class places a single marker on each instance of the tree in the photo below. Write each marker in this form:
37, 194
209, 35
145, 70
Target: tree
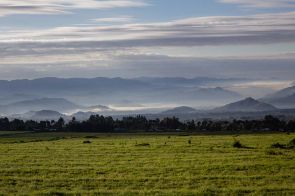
59, 125
272, 123
17, 125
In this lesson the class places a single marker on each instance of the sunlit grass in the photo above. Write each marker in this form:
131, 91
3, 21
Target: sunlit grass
145, 164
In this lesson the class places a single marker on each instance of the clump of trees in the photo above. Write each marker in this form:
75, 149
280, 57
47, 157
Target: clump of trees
98, 123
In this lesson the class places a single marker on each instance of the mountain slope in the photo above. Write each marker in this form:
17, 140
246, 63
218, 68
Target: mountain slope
39, 115
17, 97
246, 105
47, 115
180, 110
56, 104
283, 99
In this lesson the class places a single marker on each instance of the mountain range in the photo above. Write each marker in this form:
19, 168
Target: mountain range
248, 108
129, 96
106, 91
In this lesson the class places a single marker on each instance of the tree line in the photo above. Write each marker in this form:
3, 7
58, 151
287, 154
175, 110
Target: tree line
98, 123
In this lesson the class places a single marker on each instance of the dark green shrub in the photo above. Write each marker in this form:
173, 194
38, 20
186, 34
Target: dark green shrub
278, 145
237, 144
291, 144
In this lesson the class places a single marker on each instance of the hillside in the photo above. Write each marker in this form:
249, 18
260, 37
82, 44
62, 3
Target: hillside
283, 99
246, 105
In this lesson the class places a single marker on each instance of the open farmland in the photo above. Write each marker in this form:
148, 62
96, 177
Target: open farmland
124, 164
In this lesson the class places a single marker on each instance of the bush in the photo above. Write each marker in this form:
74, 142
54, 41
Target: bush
237, 144
290, 145
278, 145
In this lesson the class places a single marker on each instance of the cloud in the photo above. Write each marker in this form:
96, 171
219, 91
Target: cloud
120, 19
11, 7
119, 49
200, 31
262, 3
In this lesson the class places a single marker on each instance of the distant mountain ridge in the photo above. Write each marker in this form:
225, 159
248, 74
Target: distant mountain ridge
56, 104
40, 115
180, 110
17, 97
246, 105
47, 115
283, 99
180, 81
106, 91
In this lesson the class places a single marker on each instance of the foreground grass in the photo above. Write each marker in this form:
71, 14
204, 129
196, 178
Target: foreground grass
63, 163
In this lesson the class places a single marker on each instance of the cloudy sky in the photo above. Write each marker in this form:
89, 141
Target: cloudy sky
132, 38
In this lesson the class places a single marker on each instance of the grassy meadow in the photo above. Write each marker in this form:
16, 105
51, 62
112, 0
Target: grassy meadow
130, 164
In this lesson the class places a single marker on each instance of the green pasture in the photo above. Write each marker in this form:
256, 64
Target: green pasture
130, 164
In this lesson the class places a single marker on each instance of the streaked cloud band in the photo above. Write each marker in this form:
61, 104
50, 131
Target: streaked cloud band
12, 7
217, 30
262, 3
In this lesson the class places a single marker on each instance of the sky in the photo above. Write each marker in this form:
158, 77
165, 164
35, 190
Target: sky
156, 38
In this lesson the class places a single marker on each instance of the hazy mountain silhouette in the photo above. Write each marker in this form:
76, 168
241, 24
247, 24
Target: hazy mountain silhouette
40, 115
180, 110
107, 91
283, 99
246, 105
185, 82
17, 97
70, 85
56, 104
47, 115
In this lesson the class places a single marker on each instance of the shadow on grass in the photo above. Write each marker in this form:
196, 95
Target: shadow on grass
238, 144
142, 144
290, 145
37, 140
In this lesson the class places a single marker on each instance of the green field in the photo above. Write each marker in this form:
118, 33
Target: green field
64, 163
